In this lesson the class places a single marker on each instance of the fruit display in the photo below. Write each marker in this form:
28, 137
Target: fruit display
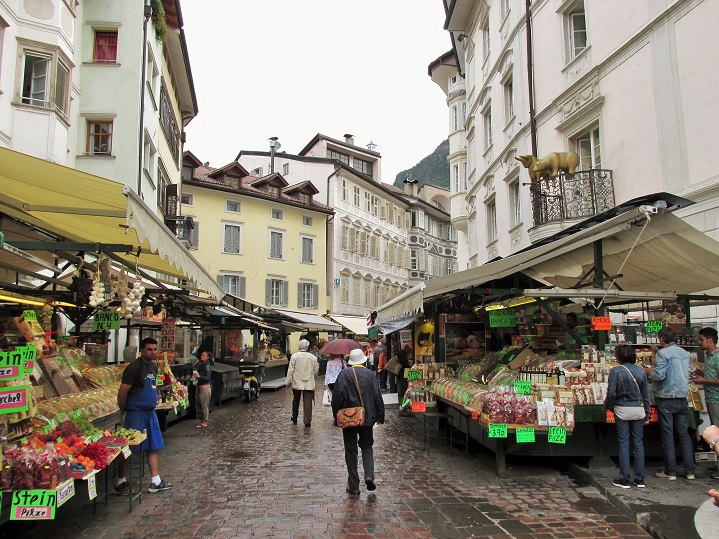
81, 466
131, 436
99, 454
83, 423
26, 468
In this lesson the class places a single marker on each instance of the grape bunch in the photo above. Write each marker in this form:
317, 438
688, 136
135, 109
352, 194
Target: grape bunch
131, 435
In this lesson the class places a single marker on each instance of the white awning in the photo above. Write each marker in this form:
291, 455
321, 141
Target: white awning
311, 321
356, 324
670, 257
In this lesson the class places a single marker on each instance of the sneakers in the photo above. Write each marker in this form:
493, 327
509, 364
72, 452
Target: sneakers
662, 475
162, 485
690, 476
715, 476
639, 484
621, 483
123, 489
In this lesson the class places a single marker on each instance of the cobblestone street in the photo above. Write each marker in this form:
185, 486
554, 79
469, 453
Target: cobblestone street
253, 473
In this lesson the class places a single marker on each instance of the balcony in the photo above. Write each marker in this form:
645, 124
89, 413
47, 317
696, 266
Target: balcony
181, 226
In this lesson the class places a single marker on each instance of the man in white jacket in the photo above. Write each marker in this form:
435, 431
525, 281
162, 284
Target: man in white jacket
301, 374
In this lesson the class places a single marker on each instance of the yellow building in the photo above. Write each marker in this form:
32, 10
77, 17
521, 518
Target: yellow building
264, 239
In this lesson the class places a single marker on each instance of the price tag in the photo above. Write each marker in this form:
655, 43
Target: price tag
97, 437
108, 433
23, 441
59, 439
414, 375
497, 430
47, 429
76, 414
29, 315
65, 493
502, 318
126, 452
654, 326
475, 414
610, 417
91, 487
523, 387
87, 440
525, 435
557, 435
33, 505
601, 323
62, 417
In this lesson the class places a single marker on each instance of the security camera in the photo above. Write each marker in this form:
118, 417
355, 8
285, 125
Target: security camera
645, 208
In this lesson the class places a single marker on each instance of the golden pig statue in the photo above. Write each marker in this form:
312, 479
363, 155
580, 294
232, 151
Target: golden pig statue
550, 164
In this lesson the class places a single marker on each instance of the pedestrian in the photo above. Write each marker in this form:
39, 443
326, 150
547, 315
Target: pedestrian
382, 368
335, 364
345, 396
137, 399
628, 398
204, 389
670, 385
402, 381
710, 380
301, 373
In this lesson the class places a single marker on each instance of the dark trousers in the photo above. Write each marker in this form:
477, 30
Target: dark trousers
308, 398
673, 419
382, 376
402, 385
392, 382
362, 437
635, 431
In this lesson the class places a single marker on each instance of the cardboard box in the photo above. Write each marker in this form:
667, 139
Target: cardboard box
521, 359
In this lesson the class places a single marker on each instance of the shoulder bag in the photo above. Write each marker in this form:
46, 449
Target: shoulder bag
394, 366
352, 417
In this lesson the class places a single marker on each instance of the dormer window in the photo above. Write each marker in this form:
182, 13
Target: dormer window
257, 172
233, 182
305, 198
275, 191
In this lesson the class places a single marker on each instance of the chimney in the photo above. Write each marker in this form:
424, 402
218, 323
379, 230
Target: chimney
409, 186
207, 164
349, 139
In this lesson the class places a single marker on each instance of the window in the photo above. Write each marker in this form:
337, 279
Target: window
356, 284
487, 121
99, 138
508, 100
231, 239
356, 191
233, 182
413, 259
152, 74
148, 156
163, 200
365, 167
367, 201
375, 206
232, 283
276, 292
306, 220
257, 172
344, 190
577, 30
276, 240
367, 299
277, 215
515, 203
305, 198
491, 221
45, 76
233, 206
464, 113
275, 191
345, 289
504, 5
308, 250
465, 176
341, 157
187, 199
455, 118
3, 25
589, 150
418, 218
168, 123
455, 178
285, 169
105, 47
308, 294
485, 40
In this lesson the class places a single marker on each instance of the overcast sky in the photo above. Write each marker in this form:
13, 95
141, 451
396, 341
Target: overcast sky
295, 68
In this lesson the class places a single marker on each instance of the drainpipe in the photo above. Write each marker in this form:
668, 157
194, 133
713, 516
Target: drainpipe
141, 140
530, 77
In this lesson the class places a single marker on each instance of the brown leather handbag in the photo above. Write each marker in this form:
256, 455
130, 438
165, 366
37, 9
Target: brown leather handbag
352, 417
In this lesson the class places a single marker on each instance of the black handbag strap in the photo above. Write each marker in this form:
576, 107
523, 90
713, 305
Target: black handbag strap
358, 389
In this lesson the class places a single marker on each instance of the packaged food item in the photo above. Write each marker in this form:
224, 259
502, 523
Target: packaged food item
570, 415
561, 414
551, 414
542, 413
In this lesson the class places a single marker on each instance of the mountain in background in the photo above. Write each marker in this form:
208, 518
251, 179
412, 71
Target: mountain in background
432, 169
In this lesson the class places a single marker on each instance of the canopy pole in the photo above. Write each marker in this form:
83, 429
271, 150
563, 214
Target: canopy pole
599, 309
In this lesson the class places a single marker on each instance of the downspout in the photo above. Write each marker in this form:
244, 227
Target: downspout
141, 136
530, 77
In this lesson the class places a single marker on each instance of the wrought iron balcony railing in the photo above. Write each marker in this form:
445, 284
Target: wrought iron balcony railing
572, 196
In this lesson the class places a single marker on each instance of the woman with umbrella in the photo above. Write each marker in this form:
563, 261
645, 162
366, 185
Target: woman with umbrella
334, 367
337, 349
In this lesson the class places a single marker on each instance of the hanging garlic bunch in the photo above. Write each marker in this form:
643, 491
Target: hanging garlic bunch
131, 298
100, 297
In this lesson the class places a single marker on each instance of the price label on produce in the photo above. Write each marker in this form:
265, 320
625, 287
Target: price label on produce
414, 375
557, 435
475, 414
47, 429
59, 439
91, 487
108, 433
97, 437
65, 493
29, 315
126, 452
419, 406
525, 435
76, 414
654, 326
610, 417
523, 387
497, 430
33, 505
601, 323
62, 417
23, 441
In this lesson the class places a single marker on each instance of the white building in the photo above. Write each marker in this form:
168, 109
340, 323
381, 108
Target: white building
629, 86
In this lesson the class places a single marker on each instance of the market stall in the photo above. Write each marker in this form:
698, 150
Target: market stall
531, 337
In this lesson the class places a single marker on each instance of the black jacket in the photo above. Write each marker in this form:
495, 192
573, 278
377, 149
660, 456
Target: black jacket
344, 394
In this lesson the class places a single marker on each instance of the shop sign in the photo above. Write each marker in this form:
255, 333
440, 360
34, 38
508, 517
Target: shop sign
601, 323
33, 505
522, 387
13, 399
502, 318
105, 320
525, 435
654, 326
497, 430
65, 493
92, 487
557, 435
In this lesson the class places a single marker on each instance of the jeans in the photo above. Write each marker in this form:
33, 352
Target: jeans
636, 430
366, 439
673, 419
308, 398
382, 377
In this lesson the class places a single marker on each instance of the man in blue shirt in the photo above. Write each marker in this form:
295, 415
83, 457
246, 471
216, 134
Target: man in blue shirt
670, 385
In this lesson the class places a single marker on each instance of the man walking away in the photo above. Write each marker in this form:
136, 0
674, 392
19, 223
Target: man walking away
301, 374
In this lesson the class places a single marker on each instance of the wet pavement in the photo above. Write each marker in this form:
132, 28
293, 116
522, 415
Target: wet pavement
253, 473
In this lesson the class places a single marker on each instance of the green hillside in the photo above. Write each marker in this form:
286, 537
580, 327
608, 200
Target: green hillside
432, 169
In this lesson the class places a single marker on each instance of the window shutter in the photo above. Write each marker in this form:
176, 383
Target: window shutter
195, 235
315, 296
285, 293
408, 258
243, 287
345, 236
268, 291
383, 211
221, 282
299, 295
363, 243
421, 255
353, 241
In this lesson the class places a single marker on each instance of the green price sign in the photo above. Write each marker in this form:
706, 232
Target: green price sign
33, 505
523, 387
406, 402
525, 435
654, 326
76, 414
502, 318
557, 435
61, 417
497, 430
29, 315
414, 375
104, 320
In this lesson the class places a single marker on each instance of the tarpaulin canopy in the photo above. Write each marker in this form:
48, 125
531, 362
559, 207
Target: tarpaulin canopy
310, 321
355, 324
79, 207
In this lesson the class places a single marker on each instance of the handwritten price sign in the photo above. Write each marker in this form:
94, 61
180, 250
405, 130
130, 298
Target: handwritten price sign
414, 375
525, 435
557, 435
523, 387
601, 323
497, 430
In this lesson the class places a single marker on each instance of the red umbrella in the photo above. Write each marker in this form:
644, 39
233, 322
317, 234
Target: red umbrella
340, 346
